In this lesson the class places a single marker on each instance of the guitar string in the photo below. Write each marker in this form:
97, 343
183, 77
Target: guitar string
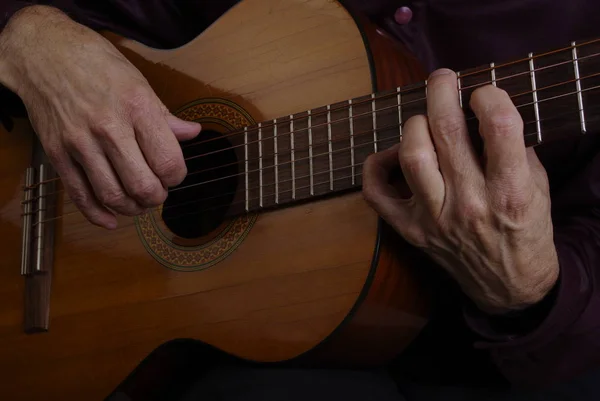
256, 188
179, 216
298, 178
370, 113
324, 143
422, 85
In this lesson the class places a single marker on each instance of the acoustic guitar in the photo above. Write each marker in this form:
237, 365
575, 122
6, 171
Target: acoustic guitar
267, 251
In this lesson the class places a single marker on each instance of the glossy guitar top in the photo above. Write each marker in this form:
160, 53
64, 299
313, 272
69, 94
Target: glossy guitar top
265, 286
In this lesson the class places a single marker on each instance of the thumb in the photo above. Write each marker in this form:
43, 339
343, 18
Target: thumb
183, 130
384, 197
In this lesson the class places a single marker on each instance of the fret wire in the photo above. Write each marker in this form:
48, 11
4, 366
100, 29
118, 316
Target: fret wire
246, 171
260, 165
578, 86
460, 97
276, 154
339, 168
310, 153
399, 113
337, 179
520, 106
493, 73
536, 107
526, 136
421, 100
386, 139
293, 156
351, 119
574, 93
330, 147
285, 163
374, 110
424, 85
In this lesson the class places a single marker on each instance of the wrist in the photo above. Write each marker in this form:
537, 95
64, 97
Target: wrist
19, 38
525, 294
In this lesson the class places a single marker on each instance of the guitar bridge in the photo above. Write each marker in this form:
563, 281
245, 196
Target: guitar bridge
37, 246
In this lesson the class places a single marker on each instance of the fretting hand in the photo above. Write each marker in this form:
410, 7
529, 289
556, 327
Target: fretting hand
487, 222
109, 137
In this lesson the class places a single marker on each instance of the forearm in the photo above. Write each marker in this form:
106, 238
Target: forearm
560, 340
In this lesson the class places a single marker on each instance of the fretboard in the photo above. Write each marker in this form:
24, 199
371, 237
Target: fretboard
322, 151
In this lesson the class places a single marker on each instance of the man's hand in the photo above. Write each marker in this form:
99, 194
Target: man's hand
487, 222
111, 140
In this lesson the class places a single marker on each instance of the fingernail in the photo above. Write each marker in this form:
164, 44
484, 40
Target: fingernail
111, 225
440, 72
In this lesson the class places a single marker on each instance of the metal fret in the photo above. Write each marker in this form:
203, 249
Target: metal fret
41, 220
351, 120
276, 161
374, 122
493, 72
293, 156
330, 148
246, 168
578, 85
310, 154
536, 106
460, 97
399, 113
27, 222
260, 166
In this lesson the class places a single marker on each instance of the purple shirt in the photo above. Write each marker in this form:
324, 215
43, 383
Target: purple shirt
562, 337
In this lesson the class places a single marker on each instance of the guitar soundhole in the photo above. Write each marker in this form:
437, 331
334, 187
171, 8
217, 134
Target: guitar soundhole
198, 205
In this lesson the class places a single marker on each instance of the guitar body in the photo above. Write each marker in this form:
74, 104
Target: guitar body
324, 280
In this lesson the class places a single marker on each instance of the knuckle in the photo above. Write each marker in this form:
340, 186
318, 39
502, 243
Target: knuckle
106, 125
112, 198
79, 197
448, 126
513, 202
472, 212
413, 160
503, 121
136, 101
149, 193
171, 170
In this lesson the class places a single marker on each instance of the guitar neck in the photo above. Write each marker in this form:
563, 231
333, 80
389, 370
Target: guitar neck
321, 151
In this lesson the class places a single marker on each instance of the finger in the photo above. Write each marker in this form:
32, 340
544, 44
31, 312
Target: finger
383, 197
102, 177
420, 165
501, 128
159, 145
183, 130
79, 190
138, 180
449, 131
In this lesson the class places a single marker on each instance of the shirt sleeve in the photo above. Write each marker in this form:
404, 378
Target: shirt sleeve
561, 339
